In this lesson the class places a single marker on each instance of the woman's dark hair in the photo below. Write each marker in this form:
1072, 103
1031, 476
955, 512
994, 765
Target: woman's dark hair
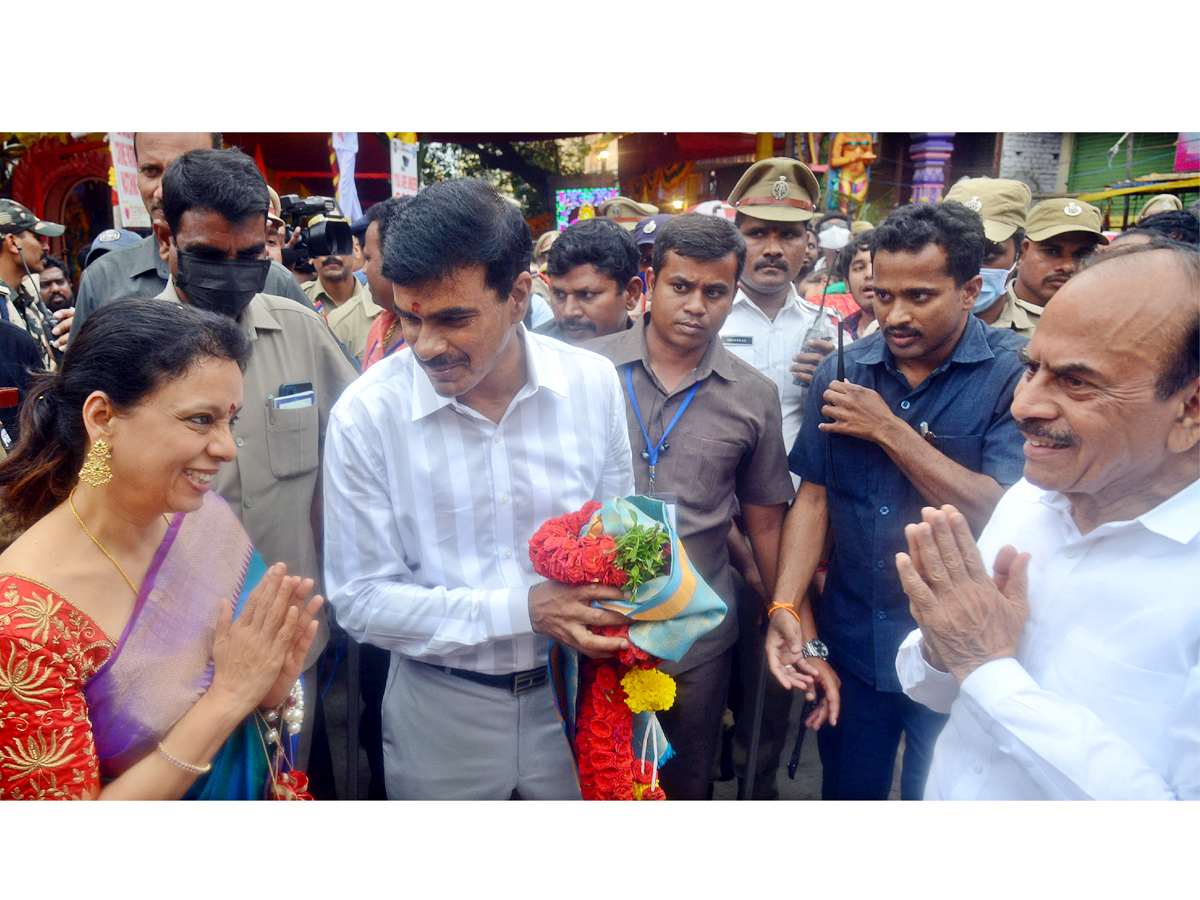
948, 224
701, 237
454, 224
601, 242
858, 243
225, 181
127, 349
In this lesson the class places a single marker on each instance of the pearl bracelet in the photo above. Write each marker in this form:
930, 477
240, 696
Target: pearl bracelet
187, 767
292, 711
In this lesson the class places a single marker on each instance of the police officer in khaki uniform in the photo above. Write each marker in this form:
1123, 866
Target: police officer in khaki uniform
344, 300
1060, 233
627, 213
1002, 205
22, 251
774, 200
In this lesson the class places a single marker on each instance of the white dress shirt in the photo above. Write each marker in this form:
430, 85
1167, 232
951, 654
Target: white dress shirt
769, 346
1102, 700
429, 505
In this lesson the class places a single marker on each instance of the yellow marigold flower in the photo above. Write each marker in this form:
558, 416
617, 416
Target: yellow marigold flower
648, 689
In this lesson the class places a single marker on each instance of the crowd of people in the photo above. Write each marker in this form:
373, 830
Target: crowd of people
942, 469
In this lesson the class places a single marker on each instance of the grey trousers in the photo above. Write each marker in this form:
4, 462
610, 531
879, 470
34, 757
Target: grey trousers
446, 738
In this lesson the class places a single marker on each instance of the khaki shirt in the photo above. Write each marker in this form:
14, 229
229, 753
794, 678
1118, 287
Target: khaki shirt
1020, 316
275, 480
29, 318
352, 320
727, 448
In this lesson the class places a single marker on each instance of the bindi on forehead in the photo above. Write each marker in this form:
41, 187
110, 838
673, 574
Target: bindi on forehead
416, 307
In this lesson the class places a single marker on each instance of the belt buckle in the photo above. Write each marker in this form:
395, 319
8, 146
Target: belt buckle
528, 680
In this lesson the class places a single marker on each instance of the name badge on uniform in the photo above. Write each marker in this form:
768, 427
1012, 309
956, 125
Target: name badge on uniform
737, 340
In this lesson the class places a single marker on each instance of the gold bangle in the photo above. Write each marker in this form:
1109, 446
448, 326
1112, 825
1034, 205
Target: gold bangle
187, 767
789, 608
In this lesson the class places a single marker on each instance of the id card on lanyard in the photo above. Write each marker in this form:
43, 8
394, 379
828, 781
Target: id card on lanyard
653, 451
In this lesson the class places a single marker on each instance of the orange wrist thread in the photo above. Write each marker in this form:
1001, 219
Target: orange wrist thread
788, 607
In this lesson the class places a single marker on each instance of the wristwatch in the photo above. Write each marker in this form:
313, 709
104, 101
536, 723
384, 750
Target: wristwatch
816, 649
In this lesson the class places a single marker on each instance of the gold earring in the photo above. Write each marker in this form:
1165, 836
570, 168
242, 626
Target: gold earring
95, 469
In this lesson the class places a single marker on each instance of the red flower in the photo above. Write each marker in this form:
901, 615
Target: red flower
606, 678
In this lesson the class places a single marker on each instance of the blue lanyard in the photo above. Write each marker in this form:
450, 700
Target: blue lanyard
651, 452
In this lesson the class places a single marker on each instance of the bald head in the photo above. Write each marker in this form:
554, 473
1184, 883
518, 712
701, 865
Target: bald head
1163, 283
1109, 404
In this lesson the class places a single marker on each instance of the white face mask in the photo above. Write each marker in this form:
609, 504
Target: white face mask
993, 288
835, 237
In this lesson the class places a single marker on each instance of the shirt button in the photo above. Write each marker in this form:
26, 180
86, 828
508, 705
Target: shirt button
238, 441
879, 564
504, 498
904, 404
496, 439
977, 768
248, 502
881, 615
1070, 553
508, 554
883, 510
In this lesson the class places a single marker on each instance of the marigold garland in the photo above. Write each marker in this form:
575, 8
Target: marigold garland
611, 690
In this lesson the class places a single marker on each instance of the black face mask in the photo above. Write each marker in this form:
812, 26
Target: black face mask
223, 286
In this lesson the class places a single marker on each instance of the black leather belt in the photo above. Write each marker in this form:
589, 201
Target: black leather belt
516, 682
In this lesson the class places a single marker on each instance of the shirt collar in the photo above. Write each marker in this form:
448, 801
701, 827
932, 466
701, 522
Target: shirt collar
631, 347
255, 318
1177, 518
791, 301
972, 347
145, 258
539, 373
1032, 310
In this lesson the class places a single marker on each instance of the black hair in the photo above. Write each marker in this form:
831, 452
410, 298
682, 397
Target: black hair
601, 242
996, 248
127, 349
700, 237
224, 181
53, 262
1182, 365
1176, 224
948, 224
830, 216
858, 243
384, 213
453, 224
218, 141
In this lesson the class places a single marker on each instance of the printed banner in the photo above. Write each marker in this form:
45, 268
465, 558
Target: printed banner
131, 210
405, 180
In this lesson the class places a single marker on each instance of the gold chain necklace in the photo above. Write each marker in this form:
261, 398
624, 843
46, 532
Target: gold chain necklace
111, 558
388, 335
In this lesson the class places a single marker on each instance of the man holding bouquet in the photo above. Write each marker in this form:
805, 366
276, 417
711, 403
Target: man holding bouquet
443, 460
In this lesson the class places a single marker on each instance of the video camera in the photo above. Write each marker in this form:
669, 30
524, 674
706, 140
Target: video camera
324, 231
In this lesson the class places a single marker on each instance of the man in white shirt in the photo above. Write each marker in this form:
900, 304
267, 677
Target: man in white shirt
443, 460
774, 198
1074, 672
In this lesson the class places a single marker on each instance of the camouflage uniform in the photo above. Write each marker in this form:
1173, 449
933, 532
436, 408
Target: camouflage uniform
24, 311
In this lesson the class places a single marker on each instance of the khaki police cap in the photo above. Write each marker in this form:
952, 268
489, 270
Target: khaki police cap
1161, 203
860, 226
626, 212
274, 208
777, 189
1062, 215
1002, 204
544, 243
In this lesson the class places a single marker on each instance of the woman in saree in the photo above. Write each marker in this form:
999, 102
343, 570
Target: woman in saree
135, 660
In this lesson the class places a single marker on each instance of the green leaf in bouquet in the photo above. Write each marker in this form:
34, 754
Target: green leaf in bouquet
640, 553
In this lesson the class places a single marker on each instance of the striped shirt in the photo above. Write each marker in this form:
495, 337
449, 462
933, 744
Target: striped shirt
429, 505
